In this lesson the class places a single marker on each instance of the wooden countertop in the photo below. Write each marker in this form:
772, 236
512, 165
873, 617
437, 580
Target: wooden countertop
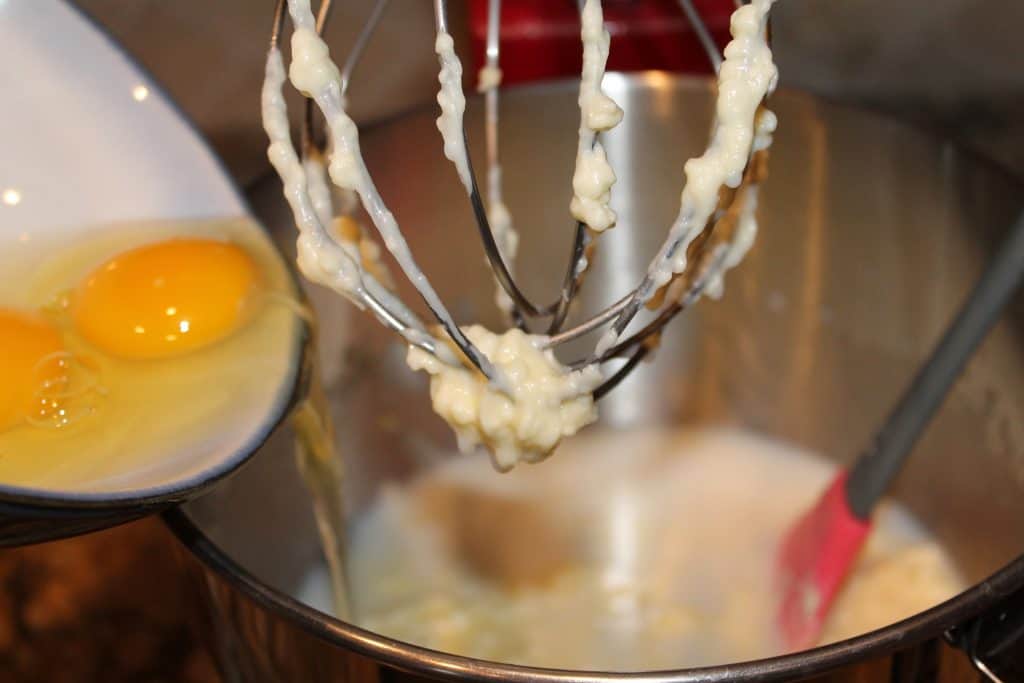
110, 606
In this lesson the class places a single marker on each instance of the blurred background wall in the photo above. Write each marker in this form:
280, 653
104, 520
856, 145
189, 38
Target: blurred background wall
955, 65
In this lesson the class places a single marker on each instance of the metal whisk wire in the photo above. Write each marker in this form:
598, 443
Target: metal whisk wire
522, 306
574, 272
374, 296
704, 264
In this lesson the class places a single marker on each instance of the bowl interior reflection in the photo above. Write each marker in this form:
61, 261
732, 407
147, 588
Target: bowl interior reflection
870, 234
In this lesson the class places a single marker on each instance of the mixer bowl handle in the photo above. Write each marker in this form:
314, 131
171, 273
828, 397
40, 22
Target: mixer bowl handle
995, 640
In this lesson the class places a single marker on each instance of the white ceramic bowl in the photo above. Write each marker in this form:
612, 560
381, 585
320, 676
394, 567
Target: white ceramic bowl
90, 140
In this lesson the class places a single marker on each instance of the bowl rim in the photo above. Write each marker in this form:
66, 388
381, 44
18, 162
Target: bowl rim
931, 623
17, 500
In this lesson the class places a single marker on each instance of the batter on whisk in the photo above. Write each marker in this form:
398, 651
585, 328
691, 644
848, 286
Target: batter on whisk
507, 391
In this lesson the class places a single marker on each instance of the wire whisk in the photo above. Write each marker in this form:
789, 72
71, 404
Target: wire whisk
714, 228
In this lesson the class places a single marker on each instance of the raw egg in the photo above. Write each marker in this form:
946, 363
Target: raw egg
144, 352
166, 299
28, 342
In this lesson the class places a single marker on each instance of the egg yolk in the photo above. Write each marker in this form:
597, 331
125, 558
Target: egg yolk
26, 341
166, 299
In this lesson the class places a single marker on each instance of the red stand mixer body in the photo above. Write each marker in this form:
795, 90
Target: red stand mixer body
540, 39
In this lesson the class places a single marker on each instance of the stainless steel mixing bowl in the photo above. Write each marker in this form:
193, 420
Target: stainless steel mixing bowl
871, 233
